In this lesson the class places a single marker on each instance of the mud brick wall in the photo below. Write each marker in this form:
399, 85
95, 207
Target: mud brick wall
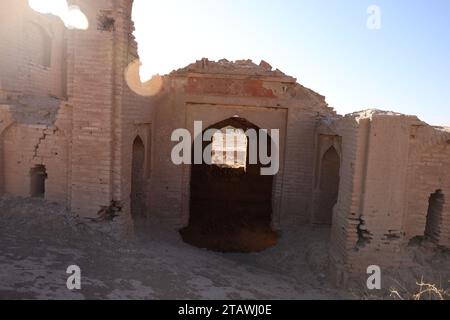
66, 105
214, 95
32, 51
391, 164
428, 172
101, 101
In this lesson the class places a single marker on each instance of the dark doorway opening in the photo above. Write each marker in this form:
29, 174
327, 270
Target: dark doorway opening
328, 187
231, 204
138, 180
38, 175
434, 216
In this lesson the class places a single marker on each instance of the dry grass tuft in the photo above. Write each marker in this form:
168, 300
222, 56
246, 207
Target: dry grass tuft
426, 291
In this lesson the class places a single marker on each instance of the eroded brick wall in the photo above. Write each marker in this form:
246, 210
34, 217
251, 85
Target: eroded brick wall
344, 233
391, 164
86, 147
428, 173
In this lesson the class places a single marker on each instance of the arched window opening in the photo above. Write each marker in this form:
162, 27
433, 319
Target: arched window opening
328, 187
38, 177
138, 180
434, 216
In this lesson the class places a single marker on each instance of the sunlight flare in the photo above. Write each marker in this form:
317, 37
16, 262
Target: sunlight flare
148, 88
72, 16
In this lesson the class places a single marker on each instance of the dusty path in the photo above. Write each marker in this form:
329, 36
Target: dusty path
40, 240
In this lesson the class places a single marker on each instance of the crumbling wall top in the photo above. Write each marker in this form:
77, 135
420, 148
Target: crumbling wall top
236, 68
370, 113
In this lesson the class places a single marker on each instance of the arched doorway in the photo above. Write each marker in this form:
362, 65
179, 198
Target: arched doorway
138, 180
231, 203
328, 187
434, 216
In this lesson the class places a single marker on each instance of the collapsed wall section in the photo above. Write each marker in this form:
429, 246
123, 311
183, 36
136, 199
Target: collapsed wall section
428, 193
385, 190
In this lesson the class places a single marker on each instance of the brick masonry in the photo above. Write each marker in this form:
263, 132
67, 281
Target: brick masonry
66, 104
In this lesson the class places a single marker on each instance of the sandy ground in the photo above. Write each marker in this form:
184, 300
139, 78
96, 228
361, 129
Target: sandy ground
39, 240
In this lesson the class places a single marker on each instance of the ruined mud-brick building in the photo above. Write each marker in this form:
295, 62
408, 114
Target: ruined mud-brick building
74, 132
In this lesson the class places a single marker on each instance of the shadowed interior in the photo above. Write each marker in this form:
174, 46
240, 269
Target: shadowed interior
434, 216
231, 209
329, 187
38, 175
137, 180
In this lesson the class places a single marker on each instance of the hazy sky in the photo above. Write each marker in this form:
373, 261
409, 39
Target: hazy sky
326, 44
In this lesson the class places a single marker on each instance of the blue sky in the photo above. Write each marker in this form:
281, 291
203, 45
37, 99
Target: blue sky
325, 44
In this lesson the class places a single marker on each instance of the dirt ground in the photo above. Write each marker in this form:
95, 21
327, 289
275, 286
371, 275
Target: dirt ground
39, 240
